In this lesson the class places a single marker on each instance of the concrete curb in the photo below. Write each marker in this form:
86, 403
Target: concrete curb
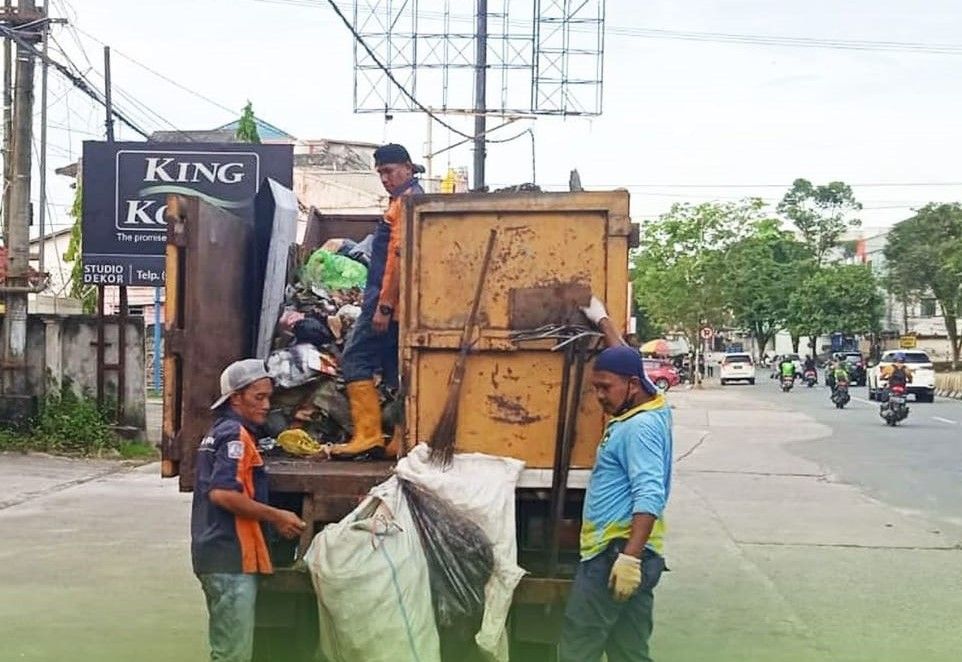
949, 385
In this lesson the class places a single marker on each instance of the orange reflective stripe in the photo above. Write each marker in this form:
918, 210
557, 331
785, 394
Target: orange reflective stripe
391, 281
255, 557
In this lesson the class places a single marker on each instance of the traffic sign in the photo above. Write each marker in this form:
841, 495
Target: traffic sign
908, 342
707, 332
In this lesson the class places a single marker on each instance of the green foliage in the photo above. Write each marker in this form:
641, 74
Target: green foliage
247, 128
72, 424
821, 213
647, 328
837, 297
761, 274
924, 255
676, 270
87, 294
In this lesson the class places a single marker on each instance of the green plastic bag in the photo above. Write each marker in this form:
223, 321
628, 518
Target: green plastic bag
333, 272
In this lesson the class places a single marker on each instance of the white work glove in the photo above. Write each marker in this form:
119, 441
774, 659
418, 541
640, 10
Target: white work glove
625, 577
595, 311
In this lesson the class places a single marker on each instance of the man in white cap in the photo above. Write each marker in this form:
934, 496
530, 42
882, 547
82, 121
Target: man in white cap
230, 508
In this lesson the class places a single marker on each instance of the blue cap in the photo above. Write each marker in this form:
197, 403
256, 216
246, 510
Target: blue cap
625, 361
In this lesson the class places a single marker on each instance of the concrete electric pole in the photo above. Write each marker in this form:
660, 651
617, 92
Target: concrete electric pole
17, 400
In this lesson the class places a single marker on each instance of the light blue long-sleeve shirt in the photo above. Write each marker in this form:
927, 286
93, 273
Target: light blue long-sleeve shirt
632, 474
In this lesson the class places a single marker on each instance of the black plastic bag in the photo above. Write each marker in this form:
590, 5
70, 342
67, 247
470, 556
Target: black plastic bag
460, 559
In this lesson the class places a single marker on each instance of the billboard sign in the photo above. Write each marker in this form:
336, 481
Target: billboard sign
125, 186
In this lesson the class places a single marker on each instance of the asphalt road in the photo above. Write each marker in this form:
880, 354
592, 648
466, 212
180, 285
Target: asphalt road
915, 466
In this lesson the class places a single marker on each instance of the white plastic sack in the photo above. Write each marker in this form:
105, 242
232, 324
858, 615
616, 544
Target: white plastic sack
482, 488
372, 585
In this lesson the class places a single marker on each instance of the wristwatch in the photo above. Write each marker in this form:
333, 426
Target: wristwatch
385, 310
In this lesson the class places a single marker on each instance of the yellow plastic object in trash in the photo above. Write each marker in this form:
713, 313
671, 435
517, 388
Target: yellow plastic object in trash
298, 442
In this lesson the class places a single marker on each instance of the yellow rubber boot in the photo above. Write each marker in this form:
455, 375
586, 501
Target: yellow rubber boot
366, 415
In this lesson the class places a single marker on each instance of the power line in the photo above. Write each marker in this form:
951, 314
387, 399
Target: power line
387, 72
158, 74
796, 42
80, 82
714, 37
145, 111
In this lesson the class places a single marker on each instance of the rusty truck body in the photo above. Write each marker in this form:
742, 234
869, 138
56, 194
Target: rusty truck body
519, 399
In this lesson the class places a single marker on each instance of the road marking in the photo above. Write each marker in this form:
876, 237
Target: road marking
862, 400
944, 420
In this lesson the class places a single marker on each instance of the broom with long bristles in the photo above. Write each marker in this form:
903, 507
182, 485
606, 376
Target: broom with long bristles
442, 440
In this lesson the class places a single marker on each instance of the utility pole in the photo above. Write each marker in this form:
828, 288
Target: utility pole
7, 120
480, 94
18, 232
42, 213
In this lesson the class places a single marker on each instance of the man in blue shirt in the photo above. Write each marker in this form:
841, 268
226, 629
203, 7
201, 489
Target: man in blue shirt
228, 542
610, 607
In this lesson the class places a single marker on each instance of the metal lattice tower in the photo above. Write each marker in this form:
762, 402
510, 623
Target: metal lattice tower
542, 56
569, 57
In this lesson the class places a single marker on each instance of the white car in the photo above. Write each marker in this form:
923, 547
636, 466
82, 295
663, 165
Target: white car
919, 365
737, 366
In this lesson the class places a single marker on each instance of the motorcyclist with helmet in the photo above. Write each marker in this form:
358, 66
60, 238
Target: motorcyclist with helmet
897, 374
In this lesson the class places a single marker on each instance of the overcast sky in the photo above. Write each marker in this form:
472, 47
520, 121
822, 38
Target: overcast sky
680, 118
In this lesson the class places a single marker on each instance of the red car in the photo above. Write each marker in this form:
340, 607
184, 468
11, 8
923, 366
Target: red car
662, 373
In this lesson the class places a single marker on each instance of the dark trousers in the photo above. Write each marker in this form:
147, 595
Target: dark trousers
596, 623
366, 352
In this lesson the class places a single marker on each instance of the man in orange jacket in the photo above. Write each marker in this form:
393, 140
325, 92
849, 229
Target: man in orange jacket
373, 345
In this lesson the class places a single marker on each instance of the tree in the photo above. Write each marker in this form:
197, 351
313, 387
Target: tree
247, 127
837, 297
87, 294
761, 272
677, 269
646, 328
821, 213
924, 255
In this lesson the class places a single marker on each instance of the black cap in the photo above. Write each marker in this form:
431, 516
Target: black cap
394, 153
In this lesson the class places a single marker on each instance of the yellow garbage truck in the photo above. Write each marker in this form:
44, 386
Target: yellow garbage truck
520, 398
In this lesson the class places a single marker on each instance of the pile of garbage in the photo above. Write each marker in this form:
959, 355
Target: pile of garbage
320, 308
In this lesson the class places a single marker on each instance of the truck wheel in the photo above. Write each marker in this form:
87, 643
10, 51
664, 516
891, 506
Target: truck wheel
925, 397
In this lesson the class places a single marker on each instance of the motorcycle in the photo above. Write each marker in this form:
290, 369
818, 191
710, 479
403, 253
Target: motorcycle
840, 394
811, 378
895, 408
788, 381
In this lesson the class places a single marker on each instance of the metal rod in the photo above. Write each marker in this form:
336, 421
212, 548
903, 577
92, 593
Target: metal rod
122, 357
534, 162
42, 215
429, 148
467, 140
122, 322
101, 346
158, 348
108, 96
480, 93
7, 124
554, 522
